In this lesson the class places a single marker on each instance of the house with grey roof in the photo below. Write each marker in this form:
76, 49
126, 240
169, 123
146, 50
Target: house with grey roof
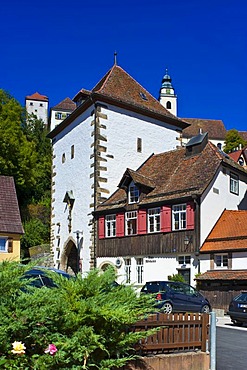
11, 228
116, 124
155, 223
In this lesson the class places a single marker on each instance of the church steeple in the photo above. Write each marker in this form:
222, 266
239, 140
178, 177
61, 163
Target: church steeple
167, 96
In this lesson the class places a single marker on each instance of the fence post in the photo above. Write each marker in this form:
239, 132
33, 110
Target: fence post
212, 341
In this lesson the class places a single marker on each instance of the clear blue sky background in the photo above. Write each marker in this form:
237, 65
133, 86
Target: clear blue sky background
58, 47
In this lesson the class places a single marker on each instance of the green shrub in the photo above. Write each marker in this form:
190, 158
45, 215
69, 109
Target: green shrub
85, 321
177, 277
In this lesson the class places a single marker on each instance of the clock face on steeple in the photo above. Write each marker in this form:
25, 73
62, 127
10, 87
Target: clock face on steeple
168, 91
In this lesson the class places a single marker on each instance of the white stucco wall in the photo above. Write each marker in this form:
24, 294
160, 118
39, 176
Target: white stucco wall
121, 130
155, 268
40, 111
217, 198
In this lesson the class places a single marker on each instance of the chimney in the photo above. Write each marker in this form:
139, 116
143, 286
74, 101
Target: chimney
196, 144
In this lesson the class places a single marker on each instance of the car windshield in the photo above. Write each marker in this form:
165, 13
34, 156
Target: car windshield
241, 297
154, 287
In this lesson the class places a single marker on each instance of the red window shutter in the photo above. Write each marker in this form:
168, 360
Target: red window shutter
142, 221
166, 219
190, 215
120, 224
101, 226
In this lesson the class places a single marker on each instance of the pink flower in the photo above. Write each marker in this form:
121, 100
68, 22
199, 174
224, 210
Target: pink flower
52, 349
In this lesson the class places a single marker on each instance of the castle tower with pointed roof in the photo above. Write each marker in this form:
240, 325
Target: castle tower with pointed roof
37, 104
116, 123
167, 96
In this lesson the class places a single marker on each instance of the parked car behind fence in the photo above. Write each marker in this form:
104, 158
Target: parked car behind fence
174, 296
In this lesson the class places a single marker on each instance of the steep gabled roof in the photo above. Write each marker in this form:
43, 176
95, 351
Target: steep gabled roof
242, 153
10, 220
67, 104
214, 128
118, 88
228, 234
175, 175
138, 179
37, 96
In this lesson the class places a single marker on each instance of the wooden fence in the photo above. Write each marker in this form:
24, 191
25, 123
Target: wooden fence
178, 332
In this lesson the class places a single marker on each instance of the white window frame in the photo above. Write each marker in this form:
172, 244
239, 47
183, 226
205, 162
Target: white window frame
127, 262
139, 270
3, 244
133, 193
234, 183
131, 223
110, 225
154, 220
179, 217
223, 261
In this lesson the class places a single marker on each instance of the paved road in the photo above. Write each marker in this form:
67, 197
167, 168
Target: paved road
231, 343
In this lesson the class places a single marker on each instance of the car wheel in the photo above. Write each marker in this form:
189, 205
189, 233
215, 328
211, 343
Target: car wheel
238, 323
205, 309
167, 307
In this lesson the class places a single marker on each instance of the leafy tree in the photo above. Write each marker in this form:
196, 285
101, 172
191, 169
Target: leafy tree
233, 140
85, 321
18, 157
25, 154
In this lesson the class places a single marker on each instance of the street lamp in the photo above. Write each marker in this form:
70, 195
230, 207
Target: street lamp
78, 244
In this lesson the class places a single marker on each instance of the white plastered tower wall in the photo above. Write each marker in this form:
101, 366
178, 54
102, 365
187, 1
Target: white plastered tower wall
38, 107
104, 140
167, 96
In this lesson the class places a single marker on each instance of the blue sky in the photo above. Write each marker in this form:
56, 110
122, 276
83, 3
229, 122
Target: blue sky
57, 48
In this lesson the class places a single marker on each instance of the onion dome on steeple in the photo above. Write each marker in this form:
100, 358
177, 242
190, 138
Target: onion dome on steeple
166, 81
167, 96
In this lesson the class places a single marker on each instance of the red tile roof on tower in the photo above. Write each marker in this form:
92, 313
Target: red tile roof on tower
173, 175
37, 96
118, 88
10, 220
228, 234
67, 104
215, 128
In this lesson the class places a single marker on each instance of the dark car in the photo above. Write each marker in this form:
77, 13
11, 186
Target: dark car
238, 309
174, 296
42, 276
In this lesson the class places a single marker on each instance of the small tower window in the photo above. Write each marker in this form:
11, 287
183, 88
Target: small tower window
139, 145
63, 158
168, 105
72, 151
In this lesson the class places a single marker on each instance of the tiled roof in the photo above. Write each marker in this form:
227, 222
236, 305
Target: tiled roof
215, 128
175, 175
243, 134
37, 96
223, 275
228, 234
119, 85
138, 179
10, 219
66, 104
238, 153
118, 88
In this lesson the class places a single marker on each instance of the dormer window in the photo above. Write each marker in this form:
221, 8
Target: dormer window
133, 193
